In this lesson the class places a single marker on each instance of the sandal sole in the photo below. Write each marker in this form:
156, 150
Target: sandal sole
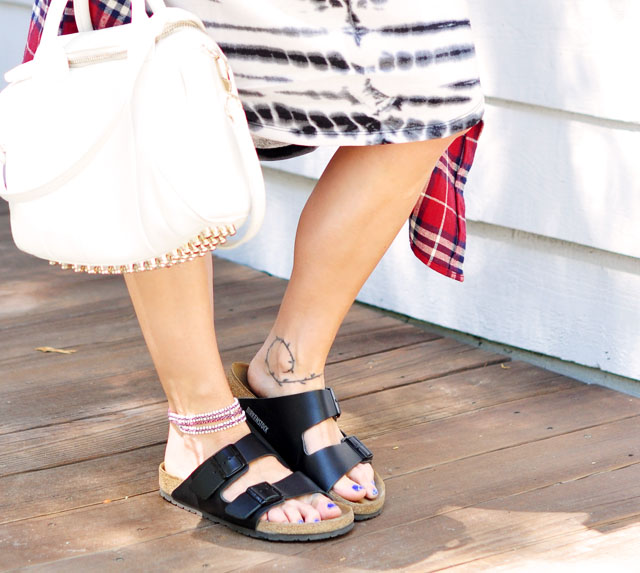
260, 534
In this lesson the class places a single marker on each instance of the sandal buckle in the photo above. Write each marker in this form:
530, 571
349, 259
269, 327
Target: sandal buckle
229, 461
335, 402
365, 453
265, 493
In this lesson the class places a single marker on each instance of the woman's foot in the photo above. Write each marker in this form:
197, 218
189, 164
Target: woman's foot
273, 373
185, 453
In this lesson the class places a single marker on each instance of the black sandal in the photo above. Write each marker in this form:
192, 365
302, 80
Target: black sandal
282, 421
202, 494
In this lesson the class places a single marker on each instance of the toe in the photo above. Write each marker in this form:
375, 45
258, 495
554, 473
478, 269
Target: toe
292, 510
277, 515
349, 489
325, 507
309, 513
363, 475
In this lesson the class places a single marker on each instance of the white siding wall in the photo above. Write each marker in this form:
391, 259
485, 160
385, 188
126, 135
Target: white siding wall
553, 258
14, 22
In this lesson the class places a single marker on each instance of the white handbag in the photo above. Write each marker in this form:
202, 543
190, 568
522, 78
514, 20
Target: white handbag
127, 148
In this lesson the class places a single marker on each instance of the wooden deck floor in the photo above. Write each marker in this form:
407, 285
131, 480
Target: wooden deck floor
490, 464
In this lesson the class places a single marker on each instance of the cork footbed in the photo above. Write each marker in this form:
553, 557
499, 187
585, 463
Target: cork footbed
265, 529
363, 509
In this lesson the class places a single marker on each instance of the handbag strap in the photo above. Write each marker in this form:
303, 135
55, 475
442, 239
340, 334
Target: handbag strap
83, 16
82, 13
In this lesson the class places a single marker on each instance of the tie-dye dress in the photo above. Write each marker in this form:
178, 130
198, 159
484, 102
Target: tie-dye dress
348, 72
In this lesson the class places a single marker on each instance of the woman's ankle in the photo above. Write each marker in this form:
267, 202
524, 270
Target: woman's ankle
184, 452
280, 368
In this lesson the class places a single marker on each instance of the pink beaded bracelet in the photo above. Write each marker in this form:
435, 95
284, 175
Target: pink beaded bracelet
226, 418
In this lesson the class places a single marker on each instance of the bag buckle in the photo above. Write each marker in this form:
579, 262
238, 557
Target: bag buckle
365, 453
265, 493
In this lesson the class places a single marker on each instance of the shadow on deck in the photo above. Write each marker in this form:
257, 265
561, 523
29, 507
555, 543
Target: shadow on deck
489, 463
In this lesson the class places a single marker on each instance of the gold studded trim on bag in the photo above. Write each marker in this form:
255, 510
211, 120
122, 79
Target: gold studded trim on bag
205, 242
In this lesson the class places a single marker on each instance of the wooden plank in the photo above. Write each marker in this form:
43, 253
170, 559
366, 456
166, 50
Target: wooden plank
516, 389
414, 526
74, 394
122, 430
35, 302
493, 423
462, 434
421, 524
84, 439
80, 484
470, 481
406, 365
119, 524
203, 549
91, 529
361, 338
87, 334
554, 522
114, 319
585, 550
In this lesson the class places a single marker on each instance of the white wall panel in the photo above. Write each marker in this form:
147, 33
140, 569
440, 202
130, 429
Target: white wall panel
574, 55
14, 23
549, 174
559, 177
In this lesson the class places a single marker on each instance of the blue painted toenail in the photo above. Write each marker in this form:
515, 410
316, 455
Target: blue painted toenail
330, 505
300, 520
316, 520
357, 487
375, 491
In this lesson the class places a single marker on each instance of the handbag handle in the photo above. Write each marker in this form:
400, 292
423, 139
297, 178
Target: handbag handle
56, 11
83, 15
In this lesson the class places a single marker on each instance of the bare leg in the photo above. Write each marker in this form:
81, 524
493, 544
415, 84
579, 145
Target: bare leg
357, 208
175, 310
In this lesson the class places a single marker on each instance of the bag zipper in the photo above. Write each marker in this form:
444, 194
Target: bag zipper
79, 61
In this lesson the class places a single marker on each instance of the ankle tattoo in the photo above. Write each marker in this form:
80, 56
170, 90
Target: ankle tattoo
281, 342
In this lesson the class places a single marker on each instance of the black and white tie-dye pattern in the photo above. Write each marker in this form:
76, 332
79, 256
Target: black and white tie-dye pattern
349, 72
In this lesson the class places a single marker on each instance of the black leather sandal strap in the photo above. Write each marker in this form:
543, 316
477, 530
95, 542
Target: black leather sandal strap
301, 411
328, 465
203, 489
260, 498
216, 471
297, 484
252, 448
251, 504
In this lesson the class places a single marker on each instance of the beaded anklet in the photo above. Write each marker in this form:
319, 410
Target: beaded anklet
224, 419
